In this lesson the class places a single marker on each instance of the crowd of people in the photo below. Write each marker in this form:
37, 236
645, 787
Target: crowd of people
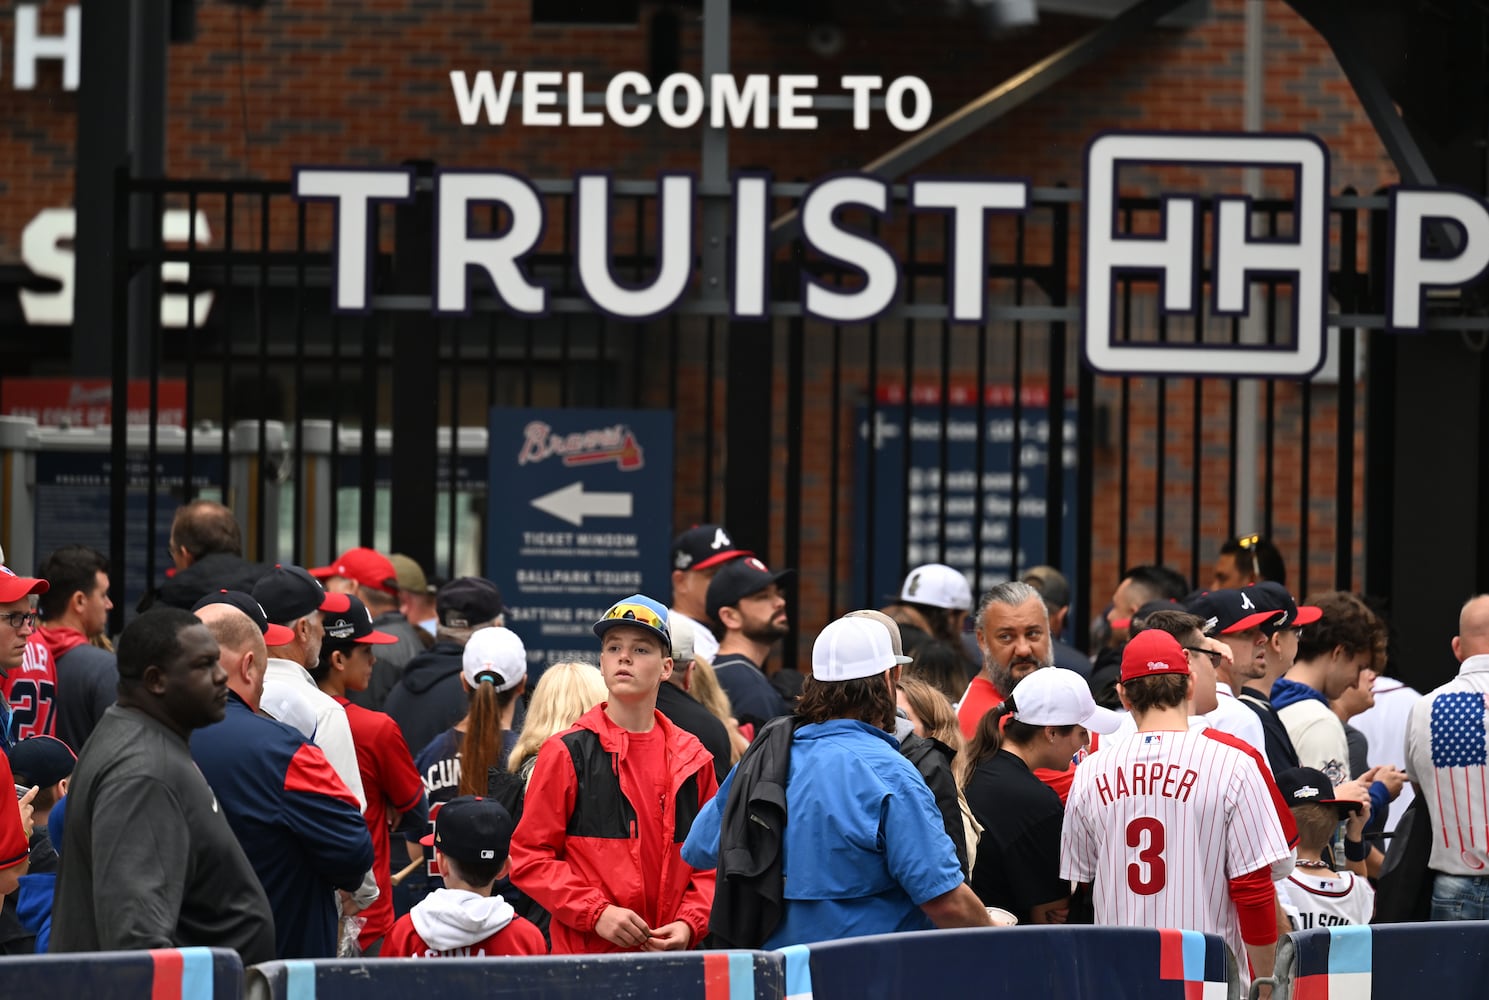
350, 760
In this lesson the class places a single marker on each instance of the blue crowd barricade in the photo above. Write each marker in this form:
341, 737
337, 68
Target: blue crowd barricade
1381, 960
1105, 962
162, 974
694, 975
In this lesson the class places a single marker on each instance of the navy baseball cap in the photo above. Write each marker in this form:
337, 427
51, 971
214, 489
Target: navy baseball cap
468, 602
473, 829
42, 761
274, 635
288, 593
347, 621
1273, 595
703, 546
1303, 786
737, 580
1227, 612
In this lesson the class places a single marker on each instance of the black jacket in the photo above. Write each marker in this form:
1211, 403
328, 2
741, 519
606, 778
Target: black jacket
749, 893
932, 759
209, 574
428, 699
688, 714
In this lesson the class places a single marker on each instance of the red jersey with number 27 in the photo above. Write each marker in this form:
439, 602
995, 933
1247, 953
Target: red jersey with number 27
31, 692
1160, 822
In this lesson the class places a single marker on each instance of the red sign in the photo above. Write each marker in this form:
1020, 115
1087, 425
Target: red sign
88, 402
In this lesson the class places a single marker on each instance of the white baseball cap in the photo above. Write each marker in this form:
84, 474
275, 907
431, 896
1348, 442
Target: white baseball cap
682, 640
938, 585
891, 626
1054, 696
850, 648
494, 655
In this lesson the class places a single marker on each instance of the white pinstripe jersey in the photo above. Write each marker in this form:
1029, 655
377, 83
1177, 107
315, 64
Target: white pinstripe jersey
1160, 822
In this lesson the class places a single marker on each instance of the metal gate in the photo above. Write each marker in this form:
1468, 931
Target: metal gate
785, 429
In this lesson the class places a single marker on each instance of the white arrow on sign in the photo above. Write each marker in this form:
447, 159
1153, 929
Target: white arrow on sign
570, 503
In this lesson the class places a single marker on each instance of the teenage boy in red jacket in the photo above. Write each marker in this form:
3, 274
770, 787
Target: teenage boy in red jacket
610, 803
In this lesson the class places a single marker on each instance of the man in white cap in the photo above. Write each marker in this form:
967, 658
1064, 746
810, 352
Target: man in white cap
933, 603
864, 851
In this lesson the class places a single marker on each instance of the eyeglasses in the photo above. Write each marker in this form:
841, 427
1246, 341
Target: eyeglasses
1215, 658
20, 619
638, 613
1247, 541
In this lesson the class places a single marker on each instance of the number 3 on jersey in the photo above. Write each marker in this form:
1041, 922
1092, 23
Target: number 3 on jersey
1147, 875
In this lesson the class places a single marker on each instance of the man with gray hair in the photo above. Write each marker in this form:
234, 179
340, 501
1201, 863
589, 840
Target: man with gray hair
1055, 590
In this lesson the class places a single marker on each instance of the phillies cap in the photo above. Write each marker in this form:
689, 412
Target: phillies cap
891, 626
1303, 786
409, 574
288, 593
348, 621
472, 829
468, 602
1061, 698
703, 546
937, 585
494, 656
13, 587
368, 568
1149, 653
1274, 596
1230, 611
274, 635
737, 580
639, 611
41, 760
851, 648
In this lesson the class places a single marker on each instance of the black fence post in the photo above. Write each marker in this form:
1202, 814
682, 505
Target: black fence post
415, 455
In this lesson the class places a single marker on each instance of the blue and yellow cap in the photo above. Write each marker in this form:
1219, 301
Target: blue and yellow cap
640, 611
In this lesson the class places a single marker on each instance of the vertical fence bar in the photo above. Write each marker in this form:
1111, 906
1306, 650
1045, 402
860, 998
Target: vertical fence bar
795, 434
151, 282
261, 314
230, 310
871, 467
302, 361
188, 351
1057, 289
1016, 443
119, 401
835, 463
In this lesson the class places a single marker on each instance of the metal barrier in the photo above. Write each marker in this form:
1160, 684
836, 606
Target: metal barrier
733, 975
162, 974
1382, 960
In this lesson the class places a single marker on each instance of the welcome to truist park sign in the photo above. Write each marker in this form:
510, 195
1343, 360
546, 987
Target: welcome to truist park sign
1236, 256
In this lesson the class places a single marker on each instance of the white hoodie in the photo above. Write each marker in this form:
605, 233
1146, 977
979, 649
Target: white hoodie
448, 919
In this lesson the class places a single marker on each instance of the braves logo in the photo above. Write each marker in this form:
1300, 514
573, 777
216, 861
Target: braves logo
592, 447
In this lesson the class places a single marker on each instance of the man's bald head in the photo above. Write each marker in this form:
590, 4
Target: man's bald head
244, 654
1473, 628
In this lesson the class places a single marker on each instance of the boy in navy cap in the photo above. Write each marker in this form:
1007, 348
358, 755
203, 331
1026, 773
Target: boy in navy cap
1315, 894
464, 919
611, 801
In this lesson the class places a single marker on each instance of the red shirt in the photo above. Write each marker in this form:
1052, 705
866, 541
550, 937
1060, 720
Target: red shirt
644, 766
519, 937
31, 692
14, 848
390, 782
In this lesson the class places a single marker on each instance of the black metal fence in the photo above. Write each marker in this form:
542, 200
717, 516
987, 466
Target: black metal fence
850, 452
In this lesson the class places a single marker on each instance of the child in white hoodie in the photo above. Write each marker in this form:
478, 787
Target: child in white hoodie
464, 920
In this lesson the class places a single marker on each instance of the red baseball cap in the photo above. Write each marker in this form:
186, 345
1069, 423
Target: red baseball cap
1152, 652
13, 586
365, 566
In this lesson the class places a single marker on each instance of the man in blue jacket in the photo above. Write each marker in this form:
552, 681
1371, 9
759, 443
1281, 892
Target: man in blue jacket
298, 823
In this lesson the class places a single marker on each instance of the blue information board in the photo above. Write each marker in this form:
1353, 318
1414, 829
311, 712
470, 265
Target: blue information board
924, 486
580, 515
74, 498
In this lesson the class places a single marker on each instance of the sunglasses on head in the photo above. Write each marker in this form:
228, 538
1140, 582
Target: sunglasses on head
638, 613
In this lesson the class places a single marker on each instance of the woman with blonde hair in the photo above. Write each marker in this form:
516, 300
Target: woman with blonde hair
934, 719
564, 693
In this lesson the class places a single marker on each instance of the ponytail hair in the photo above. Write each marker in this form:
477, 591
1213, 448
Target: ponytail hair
481, 749
994, 728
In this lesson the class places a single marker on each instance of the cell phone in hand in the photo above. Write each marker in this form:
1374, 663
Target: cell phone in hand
21, 791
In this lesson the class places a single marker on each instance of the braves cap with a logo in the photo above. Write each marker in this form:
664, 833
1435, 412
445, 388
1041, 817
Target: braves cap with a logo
937, 585
1274, 596
1228, 612
347, 621
288, 593
1302, 786
737, 580
13, 587
1153, 652
274, 635
472, 829
703, 546
368, 568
